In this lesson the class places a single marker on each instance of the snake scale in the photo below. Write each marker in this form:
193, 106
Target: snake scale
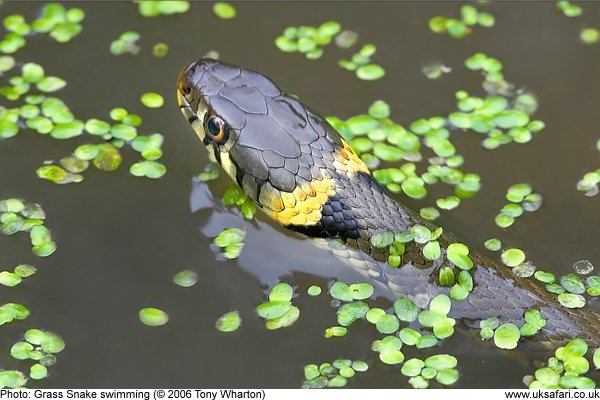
300, 172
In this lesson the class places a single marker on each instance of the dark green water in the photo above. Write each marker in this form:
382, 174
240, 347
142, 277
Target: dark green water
122, 238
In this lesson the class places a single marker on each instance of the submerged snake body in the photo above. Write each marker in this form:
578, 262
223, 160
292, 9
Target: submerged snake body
298, 169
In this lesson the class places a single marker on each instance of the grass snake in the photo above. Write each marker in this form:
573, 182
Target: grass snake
300, 172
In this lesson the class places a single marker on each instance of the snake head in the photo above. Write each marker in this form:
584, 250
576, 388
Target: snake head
285, 157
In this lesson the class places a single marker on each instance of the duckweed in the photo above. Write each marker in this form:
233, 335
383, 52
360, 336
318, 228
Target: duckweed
152, 100
185, 278
160, 49
507, 336
149, 169
314, 290
565, 369
154, 8
350, 312
370, 72
459, 29
335, 331
308, 40
335, 374
224, 10
513, 257
493, 244
589, 183
229, 322
153, 317
569, 9
38, 371
570, 300
405, 309
458, 254
235, 196
231, 241
126, 43
279, 311
12, 379
9, 279
534, 322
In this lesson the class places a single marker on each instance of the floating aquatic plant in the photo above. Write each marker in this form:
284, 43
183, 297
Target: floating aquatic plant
566, 369
153, 316
335, 374
460, 28
231, 241
229, 322
224, 10
279, 312
155, 8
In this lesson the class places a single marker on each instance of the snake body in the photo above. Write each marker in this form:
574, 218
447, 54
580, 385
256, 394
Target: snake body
297, 169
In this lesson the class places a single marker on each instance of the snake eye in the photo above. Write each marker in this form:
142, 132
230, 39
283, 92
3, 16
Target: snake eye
185, 89
216, 129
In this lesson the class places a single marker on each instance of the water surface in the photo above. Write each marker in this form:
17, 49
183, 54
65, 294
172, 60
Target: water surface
122, 238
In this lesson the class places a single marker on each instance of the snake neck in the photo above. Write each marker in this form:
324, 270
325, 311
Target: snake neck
357, 210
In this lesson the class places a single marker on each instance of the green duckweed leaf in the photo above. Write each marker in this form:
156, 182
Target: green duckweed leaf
412, 367
25, 270
447, 377
149, 169
341, 291
45, 249
152, 100
409, 336
38, 371
335, 331
507, 336
545, 277
108, 158
50, 84
391, 357
493, 244
446, 276
229, 322
441, 361
273, 309
418, 382
350, 312
374, 314
288, 319
224, 10
160, 49
370, 72
185, 278
314, 290
281, 292
361, 291
516, 193
406, 310
458, 254
387, 324
32, 72
9, 279
12, 379
570, 300
153, 317
513, 257
21, 350
432, 251
379, 109
382, 239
